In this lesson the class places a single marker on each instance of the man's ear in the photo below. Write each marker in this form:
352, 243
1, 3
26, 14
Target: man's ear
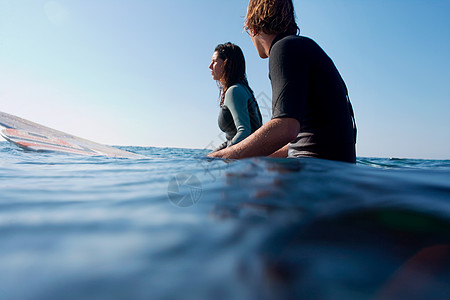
252, 32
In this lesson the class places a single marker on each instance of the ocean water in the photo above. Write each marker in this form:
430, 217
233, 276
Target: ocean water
178, 225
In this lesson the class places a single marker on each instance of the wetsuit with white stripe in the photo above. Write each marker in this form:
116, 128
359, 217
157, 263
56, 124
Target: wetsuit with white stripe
239, 115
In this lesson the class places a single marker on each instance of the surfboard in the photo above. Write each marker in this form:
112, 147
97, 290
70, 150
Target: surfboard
35, 137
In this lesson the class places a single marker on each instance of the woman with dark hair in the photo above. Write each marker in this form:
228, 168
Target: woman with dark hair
239, 114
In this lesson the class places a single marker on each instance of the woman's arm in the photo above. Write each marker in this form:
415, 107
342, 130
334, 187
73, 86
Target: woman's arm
236, 99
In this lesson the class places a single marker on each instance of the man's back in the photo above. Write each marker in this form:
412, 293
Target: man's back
307, 87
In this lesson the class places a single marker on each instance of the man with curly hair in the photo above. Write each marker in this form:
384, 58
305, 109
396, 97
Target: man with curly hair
311, 113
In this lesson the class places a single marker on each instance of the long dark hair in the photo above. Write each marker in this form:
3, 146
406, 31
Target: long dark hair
233, 68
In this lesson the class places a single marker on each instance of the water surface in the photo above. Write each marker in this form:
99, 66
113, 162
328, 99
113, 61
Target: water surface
178, 225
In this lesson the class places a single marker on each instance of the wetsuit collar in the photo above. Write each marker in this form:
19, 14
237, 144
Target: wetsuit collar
277, 38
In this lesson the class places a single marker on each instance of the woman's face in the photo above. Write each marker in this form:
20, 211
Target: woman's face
216, 67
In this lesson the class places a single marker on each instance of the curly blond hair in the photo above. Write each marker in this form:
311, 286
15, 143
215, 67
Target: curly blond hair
271, 17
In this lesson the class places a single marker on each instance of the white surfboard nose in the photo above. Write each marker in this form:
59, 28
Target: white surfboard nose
36, 137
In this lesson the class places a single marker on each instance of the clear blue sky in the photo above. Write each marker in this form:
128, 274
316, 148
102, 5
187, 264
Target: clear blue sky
136, 72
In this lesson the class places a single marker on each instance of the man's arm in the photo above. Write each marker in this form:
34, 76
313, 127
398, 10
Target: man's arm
270, 137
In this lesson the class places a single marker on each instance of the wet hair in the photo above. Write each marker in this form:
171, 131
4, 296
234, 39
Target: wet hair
271, 17
233, 68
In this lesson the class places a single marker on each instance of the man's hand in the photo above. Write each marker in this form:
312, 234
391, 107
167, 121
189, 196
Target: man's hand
269, 138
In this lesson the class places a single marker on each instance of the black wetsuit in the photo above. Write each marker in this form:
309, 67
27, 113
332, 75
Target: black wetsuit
307, 86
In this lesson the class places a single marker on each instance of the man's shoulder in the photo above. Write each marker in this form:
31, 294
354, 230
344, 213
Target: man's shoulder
293, 41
